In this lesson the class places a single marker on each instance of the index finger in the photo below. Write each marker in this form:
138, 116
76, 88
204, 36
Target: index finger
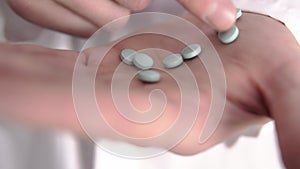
219, 14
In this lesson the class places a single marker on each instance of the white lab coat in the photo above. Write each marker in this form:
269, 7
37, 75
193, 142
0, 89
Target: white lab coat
23, 148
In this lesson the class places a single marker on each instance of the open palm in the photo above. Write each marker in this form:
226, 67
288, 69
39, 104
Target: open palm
261, 70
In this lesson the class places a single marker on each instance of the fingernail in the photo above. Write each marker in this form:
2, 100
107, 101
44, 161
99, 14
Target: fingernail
220, 17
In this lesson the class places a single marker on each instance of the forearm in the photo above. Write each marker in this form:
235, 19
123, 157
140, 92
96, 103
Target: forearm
36, 86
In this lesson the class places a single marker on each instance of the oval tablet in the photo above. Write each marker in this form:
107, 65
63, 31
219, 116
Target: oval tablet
143, 61
173, 61
238, 13
191, 51
229, 36
127, 56
149, 76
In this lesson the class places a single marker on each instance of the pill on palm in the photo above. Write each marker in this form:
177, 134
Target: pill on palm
238, 13
229, 35
127, 56
143, 61
173, 61
149, 76
191, 51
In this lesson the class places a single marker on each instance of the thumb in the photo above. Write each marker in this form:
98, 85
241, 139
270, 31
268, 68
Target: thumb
219, 14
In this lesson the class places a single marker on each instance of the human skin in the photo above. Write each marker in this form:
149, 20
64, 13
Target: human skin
261, 69
83, 18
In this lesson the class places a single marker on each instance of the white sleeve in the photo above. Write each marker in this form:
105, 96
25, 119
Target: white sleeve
286, 11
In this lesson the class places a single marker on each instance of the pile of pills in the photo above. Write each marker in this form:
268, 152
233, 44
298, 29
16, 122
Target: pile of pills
144, 62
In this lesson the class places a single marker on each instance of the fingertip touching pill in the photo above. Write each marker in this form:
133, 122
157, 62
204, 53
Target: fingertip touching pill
127, 56
149, 76
172, 61
229, 36
143, 61
191, 51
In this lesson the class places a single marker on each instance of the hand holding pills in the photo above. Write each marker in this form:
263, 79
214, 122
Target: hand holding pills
245, 71
36, 85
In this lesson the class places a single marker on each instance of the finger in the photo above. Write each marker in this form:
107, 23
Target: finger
220, 14
53, 16
98, 12
135, 5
